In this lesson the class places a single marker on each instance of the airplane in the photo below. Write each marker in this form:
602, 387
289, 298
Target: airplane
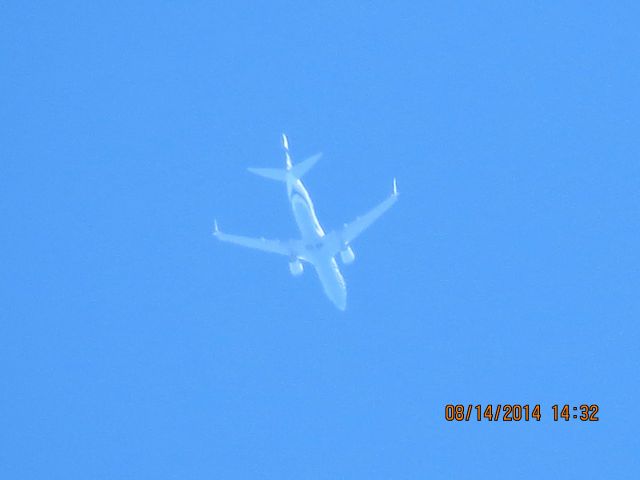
314, 245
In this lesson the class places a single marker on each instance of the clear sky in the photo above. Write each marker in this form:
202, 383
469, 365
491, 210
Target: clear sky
133, 345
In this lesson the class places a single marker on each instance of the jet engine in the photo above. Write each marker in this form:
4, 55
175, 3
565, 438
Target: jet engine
347, 256
295, 267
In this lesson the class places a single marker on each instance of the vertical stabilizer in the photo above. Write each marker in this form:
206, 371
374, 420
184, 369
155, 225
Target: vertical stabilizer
285, 144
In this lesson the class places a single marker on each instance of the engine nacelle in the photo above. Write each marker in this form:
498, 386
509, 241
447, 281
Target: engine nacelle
347, 256
295, 267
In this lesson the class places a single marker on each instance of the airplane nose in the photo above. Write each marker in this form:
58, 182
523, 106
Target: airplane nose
333, 283
338, 297
341, 302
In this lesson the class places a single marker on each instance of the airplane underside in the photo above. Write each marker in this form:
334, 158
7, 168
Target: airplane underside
314, 246
333, 283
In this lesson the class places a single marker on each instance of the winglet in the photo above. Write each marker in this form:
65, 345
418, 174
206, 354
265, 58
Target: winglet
395, 187
216, 230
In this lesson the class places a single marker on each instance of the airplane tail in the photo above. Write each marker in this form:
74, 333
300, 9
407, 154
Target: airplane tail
283, 174
272, 173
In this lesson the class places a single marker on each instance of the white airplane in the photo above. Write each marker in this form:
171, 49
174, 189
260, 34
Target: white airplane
314, 246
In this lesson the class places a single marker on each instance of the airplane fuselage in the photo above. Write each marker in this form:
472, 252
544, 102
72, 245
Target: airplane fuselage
311, 234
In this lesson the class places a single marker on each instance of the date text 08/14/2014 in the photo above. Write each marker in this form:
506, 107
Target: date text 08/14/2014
514, 412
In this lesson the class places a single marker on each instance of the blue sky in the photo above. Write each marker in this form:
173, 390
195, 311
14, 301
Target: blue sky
133, 345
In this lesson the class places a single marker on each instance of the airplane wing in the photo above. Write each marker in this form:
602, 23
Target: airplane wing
336, 241
351, 230
288, 248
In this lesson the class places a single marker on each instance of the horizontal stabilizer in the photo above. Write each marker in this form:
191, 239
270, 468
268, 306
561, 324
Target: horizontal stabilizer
303, 167
279, 174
